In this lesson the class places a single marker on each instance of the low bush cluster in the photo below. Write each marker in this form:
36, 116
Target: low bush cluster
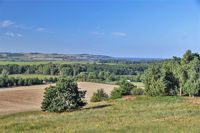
125, 88
100, 95
137, 91
116, 93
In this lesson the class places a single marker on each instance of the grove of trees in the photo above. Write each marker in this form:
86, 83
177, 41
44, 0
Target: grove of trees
93, 72
177, 76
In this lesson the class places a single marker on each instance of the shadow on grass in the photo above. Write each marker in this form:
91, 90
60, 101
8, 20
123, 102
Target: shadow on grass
98, 106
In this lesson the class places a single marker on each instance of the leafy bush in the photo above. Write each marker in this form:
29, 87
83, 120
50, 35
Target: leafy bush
65, 96
98, 96
116, 93
126, 87
137, 91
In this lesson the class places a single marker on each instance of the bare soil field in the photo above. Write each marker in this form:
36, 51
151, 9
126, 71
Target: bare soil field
29, 98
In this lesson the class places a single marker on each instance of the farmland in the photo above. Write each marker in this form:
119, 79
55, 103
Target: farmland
29, 98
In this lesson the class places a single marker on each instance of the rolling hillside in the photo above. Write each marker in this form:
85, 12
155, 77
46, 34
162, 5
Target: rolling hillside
25, 57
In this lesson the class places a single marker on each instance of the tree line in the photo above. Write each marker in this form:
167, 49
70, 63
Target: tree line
73, 68
177, 76
94, 72
6, 81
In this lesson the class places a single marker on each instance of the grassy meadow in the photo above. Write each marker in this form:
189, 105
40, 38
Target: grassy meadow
40, 76
139, 84
134, 114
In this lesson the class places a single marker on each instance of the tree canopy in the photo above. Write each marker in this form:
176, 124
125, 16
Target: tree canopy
177, 76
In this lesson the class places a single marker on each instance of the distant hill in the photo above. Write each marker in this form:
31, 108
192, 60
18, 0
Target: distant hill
5, 56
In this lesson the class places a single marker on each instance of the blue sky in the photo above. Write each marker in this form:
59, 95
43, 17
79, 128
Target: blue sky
126, 28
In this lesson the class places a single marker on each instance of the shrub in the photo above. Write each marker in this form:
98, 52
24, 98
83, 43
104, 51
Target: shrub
65, 96
98, 96
126, 87
137, 91
116, 93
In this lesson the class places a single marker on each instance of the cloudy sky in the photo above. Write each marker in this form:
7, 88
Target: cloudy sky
126, 28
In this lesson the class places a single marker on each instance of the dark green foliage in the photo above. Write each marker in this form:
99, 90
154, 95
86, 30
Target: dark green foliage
126, 87
98, 96
65, 96
83, 72
11, 81
137, 91
116, 93
171, 83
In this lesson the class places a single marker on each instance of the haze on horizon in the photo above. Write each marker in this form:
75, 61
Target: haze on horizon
135, 28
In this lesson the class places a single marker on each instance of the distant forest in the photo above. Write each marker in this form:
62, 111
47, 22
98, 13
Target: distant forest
82, 67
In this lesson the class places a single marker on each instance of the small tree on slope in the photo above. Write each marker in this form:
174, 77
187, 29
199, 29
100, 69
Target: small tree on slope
65, 96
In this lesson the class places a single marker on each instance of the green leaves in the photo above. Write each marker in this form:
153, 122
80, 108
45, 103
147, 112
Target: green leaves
98, 96
65, 96
171, 76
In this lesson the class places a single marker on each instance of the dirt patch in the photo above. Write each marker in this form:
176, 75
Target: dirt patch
128, 97
193, 100
29, 98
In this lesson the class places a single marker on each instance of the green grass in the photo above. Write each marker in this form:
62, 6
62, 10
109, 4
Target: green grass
40, 76
139, 84
140, 114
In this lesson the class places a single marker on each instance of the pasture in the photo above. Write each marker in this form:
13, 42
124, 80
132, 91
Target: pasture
139, 114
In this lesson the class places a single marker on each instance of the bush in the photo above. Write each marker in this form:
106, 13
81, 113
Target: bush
98, 96
126, 86
65, 96
116, 93
137, 91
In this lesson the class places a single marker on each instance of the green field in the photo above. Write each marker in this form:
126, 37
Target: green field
137, 114
139, 84
40, 76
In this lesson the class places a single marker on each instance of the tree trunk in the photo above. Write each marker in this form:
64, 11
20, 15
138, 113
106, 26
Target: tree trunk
180, 91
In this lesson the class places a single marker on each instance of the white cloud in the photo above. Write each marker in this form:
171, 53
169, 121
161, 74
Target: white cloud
19, 35
14, 25
23, 27
97, 33
12, 34
6, 23
122, 34
40, 29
